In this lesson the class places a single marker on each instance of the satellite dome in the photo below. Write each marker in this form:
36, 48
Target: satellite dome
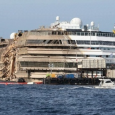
76, 21
12, 35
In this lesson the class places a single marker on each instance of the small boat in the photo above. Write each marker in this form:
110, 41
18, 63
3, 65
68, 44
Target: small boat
105, 83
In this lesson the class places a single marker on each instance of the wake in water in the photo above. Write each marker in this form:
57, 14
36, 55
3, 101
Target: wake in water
85, 87
76, 87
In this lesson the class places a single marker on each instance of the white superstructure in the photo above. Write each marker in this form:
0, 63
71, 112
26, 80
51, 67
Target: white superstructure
90, 41
75, 23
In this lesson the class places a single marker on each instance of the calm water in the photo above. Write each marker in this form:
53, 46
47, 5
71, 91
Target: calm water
55, 100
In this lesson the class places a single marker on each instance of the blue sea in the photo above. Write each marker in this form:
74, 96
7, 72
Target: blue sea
56, 100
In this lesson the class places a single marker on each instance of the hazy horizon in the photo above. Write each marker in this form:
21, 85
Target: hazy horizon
31, 14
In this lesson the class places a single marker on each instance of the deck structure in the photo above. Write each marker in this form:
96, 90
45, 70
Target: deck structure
34, 54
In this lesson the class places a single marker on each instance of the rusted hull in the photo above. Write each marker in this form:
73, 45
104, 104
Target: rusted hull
18, 83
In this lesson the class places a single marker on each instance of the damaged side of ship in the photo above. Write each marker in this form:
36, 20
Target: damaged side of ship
33, 54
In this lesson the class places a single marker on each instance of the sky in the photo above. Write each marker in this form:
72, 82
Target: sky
31, 14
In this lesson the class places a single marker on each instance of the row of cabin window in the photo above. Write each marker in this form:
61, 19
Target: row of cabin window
50, 41
46, 64
74, 33
69, 42
96, 42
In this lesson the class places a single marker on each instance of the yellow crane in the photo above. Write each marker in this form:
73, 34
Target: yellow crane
114, 31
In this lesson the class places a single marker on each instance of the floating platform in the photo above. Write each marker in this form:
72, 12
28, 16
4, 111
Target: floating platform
73, 81
60, 81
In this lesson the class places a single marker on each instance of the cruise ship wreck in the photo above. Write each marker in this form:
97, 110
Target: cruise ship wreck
63, 48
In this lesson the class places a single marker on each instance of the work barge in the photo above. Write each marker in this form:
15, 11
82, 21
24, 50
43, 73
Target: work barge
44, 54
